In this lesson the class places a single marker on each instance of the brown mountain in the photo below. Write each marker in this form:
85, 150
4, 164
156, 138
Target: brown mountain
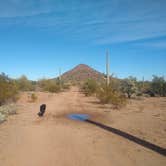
81, 73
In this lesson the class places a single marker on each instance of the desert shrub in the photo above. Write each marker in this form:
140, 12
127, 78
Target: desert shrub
2, 117
66, 86
89, 87
115, 84
147, 95
107, 95
62, 84
24, 84
42, 83
143, 86
129, 86
49, 85
158, 86
8, 89
9, 109
33, 97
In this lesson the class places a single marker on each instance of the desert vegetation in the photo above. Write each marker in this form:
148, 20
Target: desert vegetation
49, 85
6, 110
117, 92
8, 94
8, 89
52, 85
107, 94
89, 87
32, 97
121, 94
24, 84
158, 86
129, 86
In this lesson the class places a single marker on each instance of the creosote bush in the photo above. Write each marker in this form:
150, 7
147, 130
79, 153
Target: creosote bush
33, 97
49, 85
108, 95
89, 87
24, 84
8, 90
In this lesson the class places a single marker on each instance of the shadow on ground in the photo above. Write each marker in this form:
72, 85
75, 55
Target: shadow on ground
130, 137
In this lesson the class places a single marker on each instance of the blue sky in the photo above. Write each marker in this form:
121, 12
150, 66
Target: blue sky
37, 37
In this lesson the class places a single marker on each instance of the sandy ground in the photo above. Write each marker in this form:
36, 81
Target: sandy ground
27, 140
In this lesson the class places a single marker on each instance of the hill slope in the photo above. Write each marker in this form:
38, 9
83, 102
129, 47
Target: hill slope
81, 73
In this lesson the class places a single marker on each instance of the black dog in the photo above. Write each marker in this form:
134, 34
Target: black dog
42, 110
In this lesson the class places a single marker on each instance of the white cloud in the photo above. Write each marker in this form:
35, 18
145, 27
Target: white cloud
98, 22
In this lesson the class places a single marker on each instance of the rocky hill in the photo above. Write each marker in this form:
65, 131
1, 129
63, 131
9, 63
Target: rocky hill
81, 73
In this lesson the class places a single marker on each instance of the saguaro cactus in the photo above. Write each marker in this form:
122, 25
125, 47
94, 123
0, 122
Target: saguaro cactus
107, 68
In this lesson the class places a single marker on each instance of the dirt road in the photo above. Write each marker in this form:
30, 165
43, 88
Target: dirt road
54, 140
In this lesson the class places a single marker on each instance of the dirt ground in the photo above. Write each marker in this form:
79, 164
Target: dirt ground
55, 140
